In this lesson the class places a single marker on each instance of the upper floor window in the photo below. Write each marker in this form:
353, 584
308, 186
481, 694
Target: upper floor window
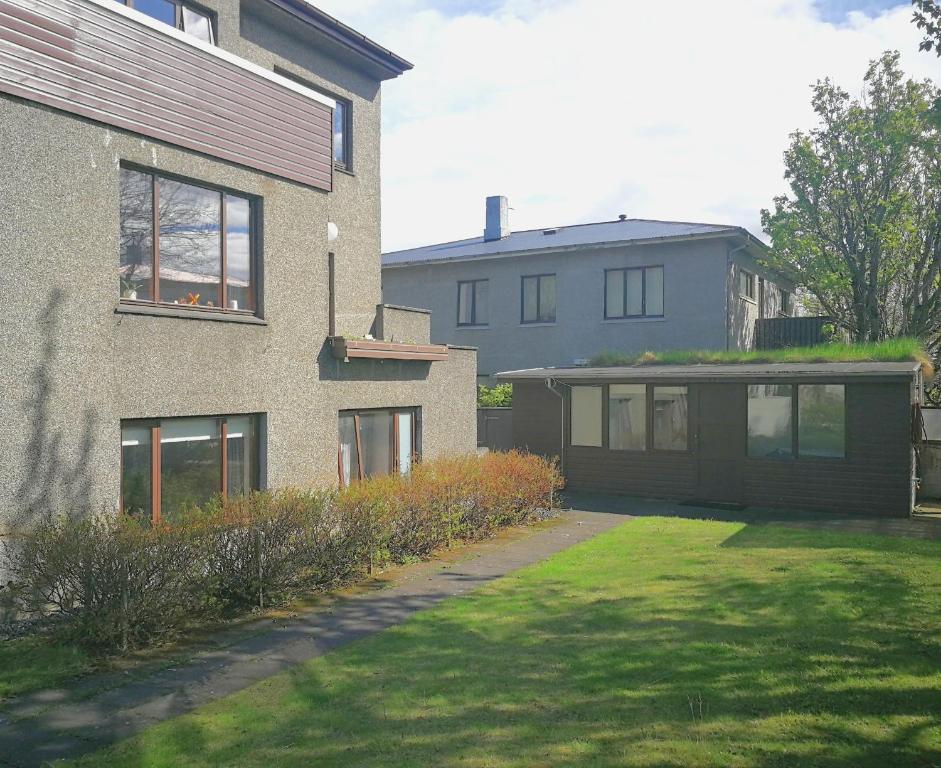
538, 299
633, 292
189, 18
747, 285
342, 147
194, 247
473, 302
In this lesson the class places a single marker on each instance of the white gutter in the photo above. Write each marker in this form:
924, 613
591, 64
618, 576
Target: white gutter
166, 30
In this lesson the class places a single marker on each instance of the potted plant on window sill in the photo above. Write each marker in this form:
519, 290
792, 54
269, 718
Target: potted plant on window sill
129, 290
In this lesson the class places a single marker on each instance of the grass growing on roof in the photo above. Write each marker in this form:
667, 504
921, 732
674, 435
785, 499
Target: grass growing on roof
664, 642
889, 351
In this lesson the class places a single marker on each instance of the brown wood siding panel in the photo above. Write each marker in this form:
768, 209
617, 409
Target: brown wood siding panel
82, 59
537, 419
873, 479
640, 473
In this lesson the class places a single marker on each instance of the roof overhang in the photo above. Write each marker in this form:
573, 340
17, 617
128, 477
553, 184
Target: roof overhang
729, 372
723, 234
389, 63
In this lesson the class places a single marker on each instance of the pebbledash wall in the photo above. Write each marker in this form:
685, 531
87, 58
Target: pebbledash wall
73, 364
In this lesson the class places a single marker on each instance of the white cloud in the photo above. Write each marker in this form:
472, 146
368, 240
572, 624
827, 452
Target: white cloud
579, 110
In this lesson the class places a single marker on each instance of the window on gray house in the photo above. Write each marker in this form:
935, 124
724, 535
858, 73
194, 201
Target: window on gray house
784, 302
537, 299
191, 19
472, 302
379, 441
202, 234
195, 459
633, 292
341, 133
747, 284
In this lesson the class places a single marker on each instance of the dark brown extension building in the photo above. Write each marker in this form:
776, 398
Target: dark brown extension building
825, 436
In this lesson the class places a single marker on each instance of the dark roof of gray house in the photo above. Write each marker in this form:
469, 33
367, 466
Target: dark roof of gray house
723, 372
601, 233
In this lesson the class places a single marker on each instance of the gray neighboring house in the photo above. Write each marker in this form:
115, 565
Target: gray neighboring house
557, 296
190, 274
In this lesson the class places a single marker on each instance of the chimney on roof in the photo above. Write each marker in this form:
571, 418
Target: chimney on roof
622, 217
498, 218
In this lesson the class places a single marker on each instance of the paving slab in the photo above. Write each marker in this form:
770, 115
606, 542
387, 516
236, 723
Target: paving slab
52, 725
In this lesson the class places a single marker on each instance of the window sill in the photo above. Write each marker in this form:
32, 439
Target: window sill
164, 310
344, 170
473, 327
653, 319
749, 300
536, 325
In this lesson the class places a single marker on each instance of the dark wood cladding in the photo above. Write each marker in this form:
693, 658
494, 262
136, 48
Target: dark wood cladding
635, 473
537, 419
875, 477
86, 60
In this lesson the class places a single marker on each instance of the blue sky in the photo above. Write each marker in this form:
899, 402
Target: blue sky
837, 10
579, 110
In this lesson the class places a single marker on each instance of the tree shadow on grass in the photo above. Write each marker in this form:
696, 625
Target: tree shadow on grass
771, 536
710, 666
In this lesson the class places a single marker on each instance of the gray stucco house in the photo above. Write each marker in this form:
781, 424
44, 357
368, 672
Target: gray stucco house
190, 271
557, 296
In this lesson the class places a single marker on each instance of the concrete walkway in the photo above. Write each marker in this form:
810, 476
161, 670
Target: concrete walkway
100, 710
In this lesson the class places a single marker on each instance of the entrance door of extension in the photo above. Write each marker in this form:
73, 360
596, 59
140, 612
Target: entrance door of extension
721, 441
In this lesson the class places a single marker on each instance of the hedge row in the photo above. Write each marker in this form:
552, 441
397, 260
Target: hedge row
115, 584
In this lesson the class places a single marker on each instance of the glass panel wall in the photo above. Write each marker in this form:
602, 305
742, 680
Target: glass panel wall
670, 418
238, 253
191, 457
136, 471
821, 420
191, 249
769, 420
190, 463
627, 417
377, 441
586, 416
136, 236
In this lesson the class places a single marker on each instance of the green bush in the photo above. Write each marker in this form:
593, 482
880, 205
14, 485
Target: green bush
500, 396
115, 584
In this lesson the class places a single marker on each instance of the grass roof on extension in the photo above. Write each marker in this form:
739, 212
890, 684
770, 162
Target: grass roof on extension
890, 351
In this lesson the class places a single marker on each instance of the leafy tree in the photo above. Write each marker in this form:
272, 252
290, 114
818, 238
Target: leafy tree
927, 17
861, 229
500, 396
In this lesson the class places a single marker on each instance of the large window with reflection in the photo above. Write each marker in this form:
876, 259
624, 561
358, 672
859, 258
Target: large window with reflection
633, 292
627, 417
171, 465
378, 441
670, 418
817, 411
185, 244
187, 17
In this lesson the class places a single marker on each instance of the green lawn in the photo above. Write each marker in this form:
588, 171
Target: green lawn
664, 642
31, 663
